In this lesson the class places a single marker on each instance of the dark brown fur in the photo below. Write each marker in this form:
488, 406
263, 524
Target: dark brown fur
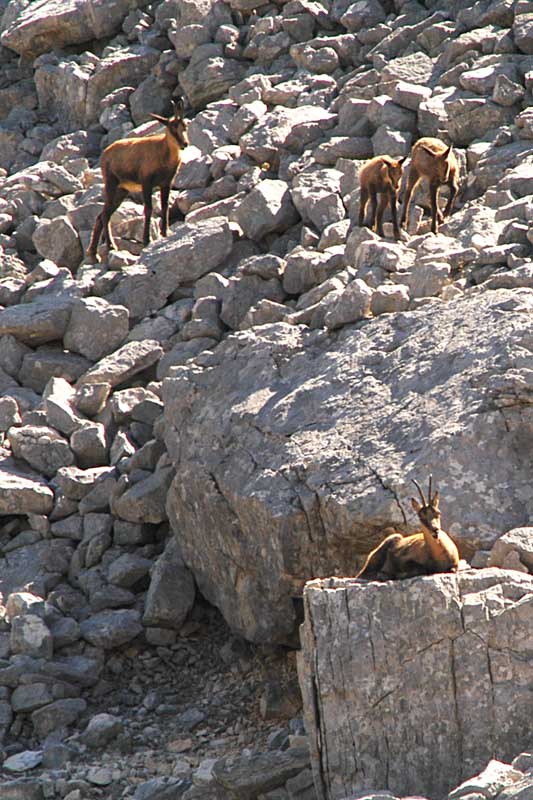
424, 553
381, 175
436, 161
140, 165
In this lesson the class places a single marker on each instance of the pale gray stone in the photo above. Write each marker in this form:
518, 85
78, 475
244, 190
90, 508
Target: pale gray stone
271, 132
110, 629
42, 448
44, 320
266, 209
22, 493
456, 693
30, 635
101, 730
58, 714
58, 240
124, 363
172, 590
128, 569
96, 327
145, 500
245, 291
519, 541
352, 305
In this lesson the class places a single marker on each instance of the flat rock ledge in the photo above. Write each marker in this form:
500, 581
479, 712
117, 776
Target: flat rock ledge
412, 686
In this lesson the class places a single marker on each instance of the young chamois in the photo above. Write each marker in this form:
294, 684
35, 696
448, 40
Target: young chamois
381, 175
424, 553
434, 160
140, 165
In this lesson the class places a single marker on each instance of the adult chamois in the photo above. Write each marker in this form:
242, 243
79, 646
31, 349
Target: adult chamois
436, 161
424, 553
380, 175
140, 165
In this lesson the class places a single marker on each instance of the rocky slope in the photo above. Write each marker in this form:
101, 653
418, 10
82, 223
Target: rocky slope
241, 406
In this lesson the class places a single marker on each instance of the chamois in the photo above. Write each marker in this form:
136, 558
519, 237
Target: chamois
434, 160
380, 175
140, 165
423, 553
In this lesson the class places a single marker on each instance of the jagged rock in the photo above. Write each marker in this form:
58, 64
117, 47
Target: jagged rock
128, 360
31, 635
523, 32
494, 779
45, 363
465, 671
316, 196
21, 493
145, 500
44, 320
128, 569
58, 714
519, 541
208, 78
54, 25
111, 628
244, 292
73, 89
193, 250
252, 478
89, 445
271, 133
249, 776
172, 591
43, 448
96, 328
101, 730
58, 240
352, 305
268, 208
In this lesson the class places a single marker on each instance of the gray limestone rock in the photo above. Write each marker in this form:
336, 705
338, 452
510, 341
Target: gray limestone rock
42, 448
96, 327
44, 320
172, 590
285, 428
443, 656
22, 493
122, 364
519, 542
266, 209
110, 629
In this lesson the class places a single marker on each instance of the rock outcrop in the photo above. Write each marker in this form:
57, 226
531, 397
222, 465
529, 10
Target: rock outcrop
412, 686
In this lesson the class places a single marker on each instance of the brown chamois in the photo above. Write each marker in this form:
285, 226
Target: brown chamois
424, 553
436, 161
380, 175
140, 165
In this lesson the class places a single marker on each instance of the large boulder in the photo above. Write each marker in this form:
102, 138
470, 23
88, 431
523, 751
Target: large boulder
294, 449
414, 685
53, 24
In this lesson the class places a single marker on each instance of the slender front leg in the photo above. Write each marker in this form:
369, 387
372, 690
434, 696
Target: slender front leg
383, 203
147, 198
453, 193
411, 183
433, 191
394, 215
373, 208
164, 194
363, 200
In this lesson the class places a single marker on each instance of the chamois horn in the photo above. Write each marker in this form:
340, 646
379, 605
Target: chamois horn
420, 492
430, 499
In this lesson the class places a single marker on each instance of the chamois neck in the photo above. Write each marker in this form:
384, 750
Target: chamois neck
172, 142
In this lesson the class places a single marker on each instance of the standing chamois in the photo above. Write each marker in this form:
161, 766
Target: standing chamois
140, 165
424, 553
381, 175
434, 160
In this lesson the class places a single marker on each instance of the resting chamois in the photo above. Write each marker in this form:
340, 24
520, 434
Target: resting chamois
434, 160
381, 175
140, 165
424, 553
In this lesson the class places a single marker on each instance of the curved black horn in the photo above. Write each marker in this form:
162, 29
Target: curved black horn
430, 499
178, 104
420, 492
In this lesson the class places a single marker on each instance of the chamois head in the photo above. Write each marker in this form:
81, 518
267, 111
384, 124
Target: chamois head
175, 124
392, 169
428, 511
443, 164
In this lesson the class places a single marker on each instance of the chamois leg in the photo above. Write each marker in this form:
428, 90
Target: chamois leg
383, 203
436, 215
394, 215
111, 205
95, 236
379, 559
411, 183
164, 194
363, 200
452, 183
373, 208
147, 199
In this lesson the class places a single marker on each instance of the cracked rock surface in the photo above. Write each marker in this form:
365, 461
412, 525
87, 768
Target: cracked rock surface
414, 685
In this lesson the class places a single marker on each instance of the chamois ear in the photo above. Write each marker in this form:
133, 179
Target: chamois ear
163, 120
178, 105
416, 505
446, 153
435, 500
401, 160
